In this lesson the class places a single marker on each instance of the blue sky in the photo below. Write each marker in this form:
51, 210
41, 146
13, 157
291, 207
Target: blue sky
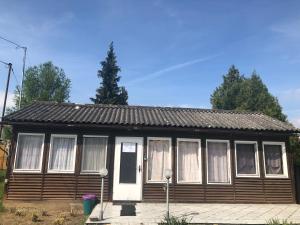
172, 53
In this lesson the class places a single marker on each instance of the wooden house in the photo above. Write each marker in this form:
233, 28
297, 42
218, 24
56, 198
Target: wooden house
216, 156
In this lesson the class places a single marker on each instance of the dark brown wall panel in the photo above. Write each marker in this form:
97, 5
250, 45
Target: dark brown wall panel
25, 186
73, 186
189, 193
59, 186
91, 184
155, 192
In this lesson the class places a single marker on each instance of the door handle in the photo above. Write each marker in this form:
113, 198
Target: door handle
140, 169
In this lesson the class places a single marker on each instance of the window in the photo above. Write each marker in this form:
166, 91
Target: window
62, 153
246, 157
159, 158
93, 154
275, 159
218, 162
188, 161
29, 152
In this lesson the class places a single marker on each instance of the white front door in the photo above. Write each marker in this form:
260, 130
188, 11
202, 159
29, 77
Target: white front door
128, 169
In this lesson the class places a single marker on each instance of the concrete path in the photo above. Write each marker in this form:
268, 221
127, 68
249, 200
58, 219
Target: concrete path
152, 213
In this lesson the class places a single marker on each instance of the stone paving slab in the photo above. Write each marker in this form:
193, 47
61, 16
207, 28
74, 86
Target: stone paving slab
152, 213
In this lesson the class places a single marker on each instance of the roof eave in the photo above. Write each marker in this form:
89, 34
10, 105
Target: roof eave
145, 127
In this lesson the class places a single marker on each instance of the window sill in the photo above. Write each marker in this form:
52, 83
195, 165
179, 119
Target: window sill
188, 182
219, 184
247, 176
60, 172
157, 182
277, 176
27, 171
89, 173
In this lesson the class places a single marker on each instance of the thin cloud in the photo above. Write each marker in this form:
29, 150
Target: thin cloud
290, 95
161, 72
296, 122
289, 28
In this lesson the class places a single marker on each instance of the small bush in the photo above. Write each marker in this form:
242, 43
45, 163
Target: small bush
59, 221
35, 217
20, 212
173, 220
44, 213
276, 221
12, 210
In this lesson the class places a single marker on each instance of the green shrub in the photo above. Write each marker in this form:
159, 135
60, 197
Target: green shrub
20, 212
276, 221
35, 217
2, 178
173, 220
2, 175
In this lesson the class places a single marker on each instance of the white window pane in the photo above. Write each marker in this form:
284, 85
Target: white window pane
94, 153
188, 161
245, 158
217, 162
62, 153
158, 159
29, 152
273, 159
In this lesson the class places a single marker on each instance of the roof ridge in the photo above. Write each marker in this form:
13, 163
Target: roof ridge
153, 107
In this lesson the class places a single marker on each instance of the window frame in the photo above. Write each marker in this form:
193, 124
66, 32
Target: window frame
41, 157
81, 161
284, 160
199, 160
170, 151
228, 160
51, 151
240, 175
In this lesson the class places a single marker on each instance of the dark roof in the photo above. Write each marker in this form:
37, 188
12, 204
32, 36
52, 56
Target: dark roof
68, 113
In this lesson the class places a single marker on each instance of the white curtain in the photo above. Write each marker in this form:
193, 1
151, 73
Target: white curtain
158, 159
62, 154
273, 159
245, 157
94, 153
188, 161
217, 162
29, 151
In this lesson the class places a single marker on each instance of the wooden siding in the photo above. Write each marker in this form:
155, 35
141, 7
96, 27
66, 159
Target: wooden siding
72, 186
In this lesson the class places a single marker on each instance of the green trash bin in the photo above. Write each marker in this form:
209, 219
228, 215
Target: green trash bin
89, 201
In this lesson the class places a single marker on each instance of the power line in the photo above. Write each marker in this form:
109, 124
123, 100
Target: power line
5, 63
13, 72
14, 43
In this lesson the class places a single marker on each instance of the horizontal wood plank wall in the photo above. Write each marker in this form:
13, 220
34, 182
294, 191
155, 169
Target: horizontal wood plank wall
38, 186
73, 186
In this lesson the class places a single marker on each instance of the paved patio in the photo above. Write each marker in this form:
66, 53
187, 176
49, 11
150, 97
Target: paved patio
152, 213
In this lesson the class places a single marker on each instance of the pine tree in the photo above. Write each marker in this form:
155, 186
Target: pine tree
109, 92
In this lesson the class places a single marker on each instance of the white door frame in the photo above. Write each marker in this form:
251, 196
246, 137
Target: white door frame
128, 191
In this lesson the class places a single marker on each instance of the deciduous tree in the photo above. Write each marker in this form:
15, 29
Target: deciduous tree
240, 93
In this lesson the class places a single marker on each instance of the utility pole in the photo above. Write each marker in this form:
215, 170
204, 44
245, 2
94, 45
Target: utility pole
24, 61
23, 74
5, 97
